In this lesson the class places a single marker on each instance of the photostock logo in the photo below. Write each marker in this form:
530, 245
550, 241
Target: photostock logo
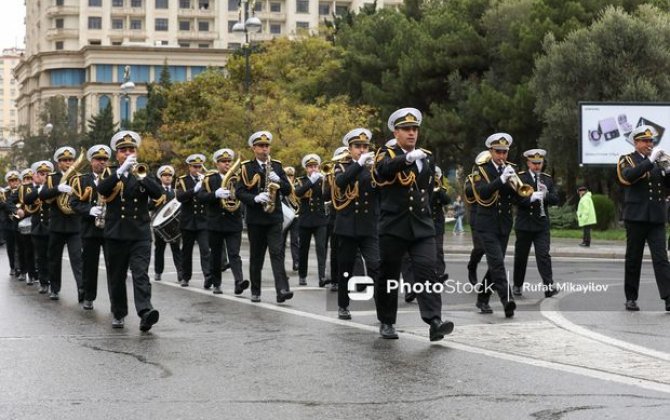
358, 287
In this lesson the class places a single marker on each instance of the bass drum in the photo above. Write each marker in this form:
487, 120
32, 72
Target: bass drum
166, 221
289, 216
25, 226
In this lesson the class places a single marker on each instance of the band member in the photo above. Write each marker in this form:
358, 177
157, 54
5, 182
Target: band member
87, 202
23, 239
193, 220
532, 223
332, 243
292, 201
128, 232
477, 247
438, 200
7, 214
261, 182
40, 222
404, 174
356, 204
644, 213
64, 224
312, 191
494, 219
166, 175
224, 219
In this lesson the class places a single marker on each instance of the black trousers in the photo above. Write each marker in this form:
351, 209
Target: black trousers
349, 248
319, 233
541, 241
477, 251
57, 241
495, 246
232, 241
189, 237
90, 255
159, 256
26, 255
586, 235
10, 239
262, 238
121, 256
440, 266
331, 240
637, 233
41, 248
422, 253
293, 232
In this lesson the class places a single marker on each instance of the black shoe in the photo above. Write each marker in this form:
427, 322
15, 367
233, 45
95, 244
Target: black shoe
29, 281
409, 297
117, 322
322, 282
241, 287
184, 283
439, 329
157, 277
343, 313
80, 295
302, 281
585, 245
551, 291
444, 277
43, 290
334, 287
255, 298
631, 305
88, 304
53, 296
284, 295
22, 277
509, 306
388, 332
484, 307
295, 267
208, 284
667, 304
472, 276
149, 318
225, 267
217, 290
516, 290
12, 273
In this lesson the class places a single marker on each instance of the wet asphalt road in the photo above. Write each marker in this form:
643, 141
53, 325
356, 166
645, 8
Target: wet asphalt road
576, 357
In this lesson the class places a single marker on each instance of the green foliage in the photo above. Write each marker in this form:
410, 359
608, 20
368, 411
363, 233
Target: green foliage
604, 207
563, 217
101, 127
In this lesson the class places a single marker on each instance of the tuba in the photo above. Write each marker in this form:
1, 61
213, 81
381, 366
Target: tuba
63, 200
231, 203
270, 187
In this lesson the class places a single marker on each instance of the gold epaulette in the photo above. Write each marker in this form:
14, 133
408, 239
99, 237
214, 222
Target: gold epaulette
182, 176
521, 173
159, 202
245, 162
545, 174
275, 160
426, 151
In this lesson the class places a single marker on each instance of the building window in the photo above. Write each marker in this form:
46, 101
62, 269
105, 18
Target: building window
185, 44
135, 3
275, 7
302, 6
203, 4
136, 24
60, 2
161, 4
141, 102
117, 42
94, 42
95, 3
59, 23
230, 26
258, 6
184, 4
103, 73
275, 28
117, 3
94, 22
117, 23
59, 45
204, 45
341, 10
103, 103
196, 70
177, 73
233, 5
203, 26
161, 24
302, 25
184, 25
234, 45
324, 9
138, 73
68, 77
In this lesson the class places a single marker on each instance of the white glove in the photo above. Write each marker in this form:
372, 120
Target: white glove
273, 177
20, 213
655, 154
315, 177
365, 157
127, 164
64, 188
415, 155
262, 198
507, 173
95, 211
222, 193
537, 196
197, 186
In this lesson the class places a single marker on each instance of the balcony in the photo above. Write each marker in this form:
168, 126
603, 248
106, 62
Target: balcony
62, 11
197, 35
62, 33
195, 12
272, 16
134, 33
130, 11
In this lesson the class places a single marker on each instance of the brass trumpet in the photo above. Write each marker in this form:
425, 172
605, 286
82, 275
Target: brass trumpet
140, 170
328, 167
524, 190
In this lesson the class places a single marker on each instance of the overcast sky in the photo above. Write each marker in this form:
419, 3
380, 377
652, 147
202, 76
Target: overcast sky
12, 29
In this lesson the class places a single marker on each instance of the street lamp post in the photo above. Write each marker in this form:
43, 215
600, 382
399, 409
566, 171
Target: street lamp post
247, 24
126, 87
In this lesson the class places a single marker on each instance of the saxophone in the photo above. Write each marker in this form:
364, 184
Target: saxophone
270, 188
231, 204
63, 200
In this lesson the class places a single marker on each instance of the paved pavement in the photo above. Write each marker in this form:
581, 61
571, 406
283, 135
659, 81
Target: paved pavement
576, 356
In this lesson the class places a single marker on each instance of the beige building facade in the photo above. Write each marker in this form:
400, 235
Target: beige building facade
9, 91
78, 49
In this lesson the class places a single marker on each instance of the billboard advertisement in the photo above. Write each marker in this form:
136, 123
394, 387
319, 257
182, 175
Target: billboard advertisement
605, 126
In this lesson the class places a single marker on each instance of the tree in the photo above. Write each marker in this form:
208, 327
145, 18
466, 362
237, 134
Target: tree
101, 127
156, 102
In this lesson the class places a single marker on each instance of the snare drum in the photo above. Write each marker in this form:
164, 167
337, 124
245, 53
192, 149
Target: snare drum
289, 216
25, 226
166, 221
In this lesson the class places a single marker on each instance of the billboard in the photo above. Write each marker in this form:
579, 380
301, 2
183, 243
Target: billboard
605, 126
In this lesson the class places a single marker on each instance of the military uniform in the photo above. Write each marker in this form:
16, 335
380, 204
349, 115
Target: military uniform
159, 244
40, 227
532, 226
264, 229
439, 199
477, 247
292, 230
64, 230
644, 214
24, 240
9, 224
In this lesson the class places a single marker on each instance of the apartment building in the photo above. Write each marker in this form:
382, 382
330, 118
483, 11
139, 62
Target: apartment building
78, 49
9, 91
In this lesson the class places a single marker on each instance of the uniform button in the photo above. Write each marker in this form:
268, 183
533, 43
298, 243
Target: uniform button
123, 216
366, 194
410, 208
366, 202
123, 208
423, 199
356, 211
422, 210
423, 191
134, 217
123, 200
411, 199
356, 203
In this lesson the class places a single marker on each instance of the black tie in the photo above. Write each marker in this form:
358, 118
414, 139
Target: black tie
500, 170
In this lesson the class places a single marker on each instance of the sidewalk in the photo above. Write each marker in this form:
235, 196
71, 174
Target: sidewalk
560, 247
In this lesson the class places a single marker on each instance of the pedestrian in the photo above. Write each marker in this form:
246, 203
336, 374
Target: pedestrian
459, 212
586, 214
